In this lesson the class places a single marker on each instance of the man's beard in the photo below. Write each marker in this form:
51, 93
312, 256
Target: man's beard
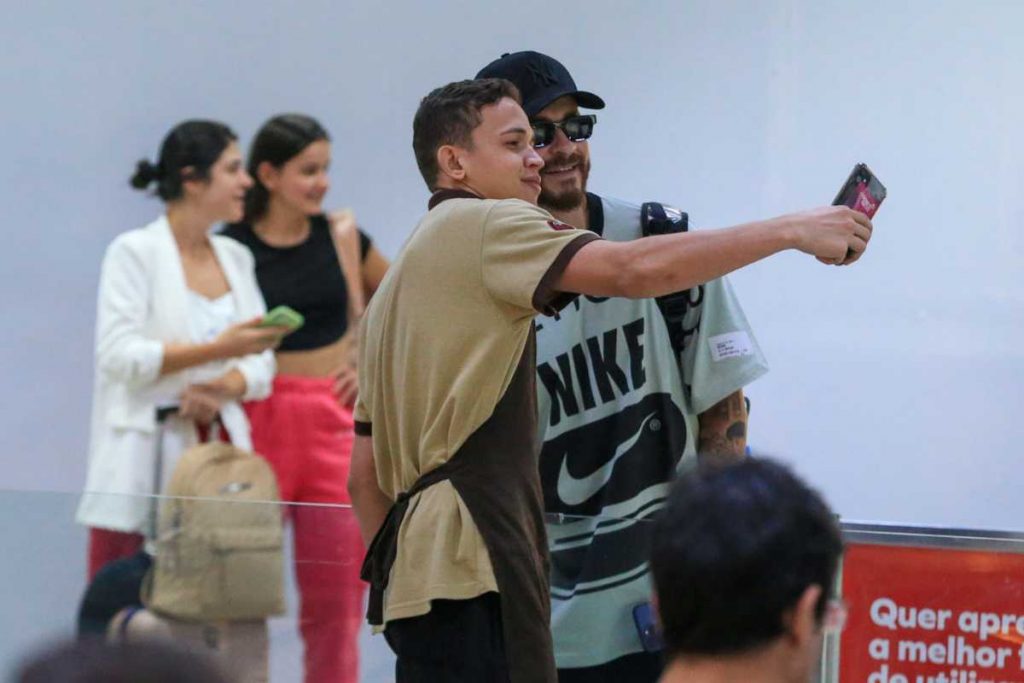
569, 199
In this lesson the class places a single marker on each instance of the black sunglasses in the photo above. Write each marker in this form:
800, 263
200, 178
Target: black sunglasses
576, 128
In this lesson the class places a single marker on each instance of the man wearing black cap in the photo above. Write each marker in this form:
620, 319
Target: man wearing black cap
629, 391
443, 475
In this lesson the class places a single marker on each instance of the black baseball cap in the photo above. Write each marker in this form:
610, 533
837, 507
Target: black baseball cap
541, 80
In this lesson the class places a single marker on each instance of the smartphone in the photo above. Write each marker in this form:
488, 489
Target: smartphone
862, 191
647, 627
283, 316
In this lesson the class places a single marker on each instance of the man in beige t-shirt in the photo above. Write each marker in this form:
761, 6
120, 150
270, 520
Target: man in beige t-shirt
444, 475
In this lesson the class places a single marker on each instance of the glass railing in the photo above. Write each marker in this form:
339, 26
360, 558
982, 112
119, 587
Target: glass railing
923, 603
219, 569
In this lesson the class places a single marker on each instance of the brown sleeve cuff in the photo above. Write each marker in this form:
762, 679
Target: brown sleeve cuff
548, 300
364, 428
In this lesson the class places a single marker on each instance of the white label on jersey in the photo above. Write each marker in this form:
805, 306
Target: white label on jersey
730, 345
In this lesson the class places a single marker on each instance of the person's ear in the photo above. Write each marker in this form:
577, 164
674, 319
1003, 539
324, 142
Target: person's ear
450, 162
268, 175
190, 182
801, 621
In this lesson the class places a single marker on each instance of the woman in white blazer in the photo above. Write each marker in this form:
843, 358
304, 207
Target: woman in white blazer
178, 322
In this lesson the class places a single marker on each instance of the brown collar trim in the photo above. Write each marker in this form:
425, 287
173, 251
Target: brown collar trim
442, 195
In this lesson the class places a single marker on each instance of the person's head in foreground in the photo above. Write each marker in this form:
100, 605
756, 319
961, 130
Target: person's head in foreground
744, 559
95, 661
473, 136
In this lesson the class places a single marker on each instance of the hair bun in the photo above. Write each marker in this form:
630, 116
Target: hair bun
145, 173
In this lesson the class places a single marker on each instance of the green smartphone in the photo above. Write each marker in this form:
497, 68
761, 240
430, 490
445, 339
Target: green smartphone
283, 316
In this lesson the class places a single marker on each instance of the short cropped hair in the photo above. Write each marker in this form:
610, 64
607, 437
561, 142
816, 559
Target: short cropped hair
448, 115
733, 550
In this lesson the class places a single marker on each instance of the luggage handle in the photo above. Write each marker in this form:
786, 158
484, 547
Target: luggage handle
170, 410
164, 412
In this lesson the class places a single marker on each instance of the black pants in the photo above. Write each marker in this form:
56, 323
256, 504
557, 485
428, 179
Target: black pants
641, 667
456, 641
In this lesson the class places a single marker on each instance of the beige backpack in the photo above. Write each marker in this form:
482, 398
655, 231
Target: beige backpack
219, 541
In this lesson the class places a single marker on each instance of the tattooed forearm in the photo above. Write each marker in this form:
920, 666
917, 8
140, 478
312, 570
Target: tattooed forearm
723, 430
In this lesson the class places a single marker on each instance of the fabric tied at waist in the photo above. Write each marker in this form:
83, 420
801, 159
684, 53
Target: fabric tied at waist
380, 556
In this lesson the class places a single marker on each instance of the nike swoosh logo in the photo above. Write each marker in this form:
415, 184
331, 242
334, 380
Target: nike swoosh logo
574, 491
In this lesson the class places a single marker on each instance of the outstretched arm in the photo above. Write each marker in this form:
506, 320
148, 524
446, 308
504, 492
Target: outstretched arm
654, 266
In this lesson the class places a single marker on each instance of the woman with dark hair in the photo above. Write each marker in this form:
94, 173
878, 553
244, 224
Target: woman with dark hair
324, 267
178, 322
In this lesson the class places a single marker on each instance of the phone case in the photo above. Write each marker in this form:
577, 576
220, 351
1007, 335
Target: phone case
862, 191
283, 316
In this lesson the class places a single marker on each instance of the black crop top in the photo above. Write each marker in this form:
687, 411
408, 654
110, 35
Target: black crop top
306, 277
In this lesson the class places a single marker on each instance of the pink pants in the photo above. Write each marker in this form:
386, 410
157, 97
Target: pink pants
307, 438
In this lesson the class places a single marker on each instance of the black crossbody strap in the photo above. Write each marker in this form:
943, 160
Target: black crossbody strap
658, 219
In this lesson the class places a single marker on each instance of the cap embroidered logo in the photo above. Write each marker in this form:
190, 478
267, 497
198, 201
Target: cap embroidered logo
542, 73
559, 225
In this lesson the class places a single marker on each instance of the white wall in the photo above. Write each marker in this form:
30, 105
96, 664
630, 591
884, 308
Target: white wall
895, 383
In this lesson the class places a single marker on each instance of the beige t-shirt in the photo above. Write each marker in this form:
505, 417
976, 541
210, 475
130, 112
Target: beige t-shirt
441, 341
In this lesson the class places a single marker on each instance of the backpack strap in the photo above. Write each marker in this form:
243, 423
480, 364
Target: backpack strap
658, 219
345, 234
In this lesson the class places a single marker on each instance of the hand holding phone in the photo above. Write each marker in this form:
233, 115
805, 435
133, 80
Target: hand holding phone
283, 316
248, 337
862, 192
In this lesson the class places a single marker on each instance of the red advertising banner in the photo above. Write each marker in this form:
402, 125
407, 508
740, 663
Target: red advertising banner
932, 615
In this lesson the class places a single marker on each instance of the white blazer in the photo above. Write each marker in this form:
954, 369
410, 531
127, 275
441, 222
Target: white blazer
143, 305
